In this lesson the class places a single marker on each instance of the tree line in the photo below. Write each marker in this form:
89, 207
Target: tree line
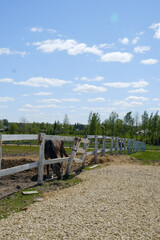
142, 128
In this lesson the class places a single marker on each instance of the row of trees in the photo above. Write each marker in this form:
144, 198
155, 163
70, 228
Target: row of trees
143, 128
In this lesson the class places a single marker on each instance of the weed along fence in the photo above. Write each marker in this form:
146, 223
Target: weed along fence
97, 144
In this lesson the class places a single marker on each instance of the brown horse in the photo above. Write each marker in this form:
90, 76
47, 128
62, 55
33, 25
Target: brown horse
59, 146
50, 152
52, 148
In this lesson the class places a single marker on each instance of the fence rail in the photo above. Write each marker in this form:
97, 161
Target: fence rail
100, 144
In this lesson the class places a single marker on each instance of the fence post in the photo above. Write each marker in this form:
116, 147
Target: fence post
104, 146
85, 147
0, 150
116, 145
121, 146
95, 148
73, 154
128, 146
133, 146
125, 146
41, 158
111, 152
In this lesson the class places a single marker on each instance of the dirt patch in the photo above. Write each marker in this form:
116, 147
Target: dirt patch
13, 183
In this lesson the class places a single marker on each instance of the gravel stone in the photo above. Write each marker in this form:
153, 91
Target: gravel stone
116, 202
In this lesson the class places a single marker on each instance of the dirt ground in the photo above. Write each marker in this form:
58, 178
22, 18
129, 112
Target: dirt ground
13, 183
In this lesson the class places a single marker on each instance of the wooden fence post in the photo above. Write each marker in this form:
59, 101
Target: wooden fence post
116, 145
125, 146
0, 150
73, 154
111, 152
41, 158
121, 146
84, 155
104, 146
128, 146
95, 148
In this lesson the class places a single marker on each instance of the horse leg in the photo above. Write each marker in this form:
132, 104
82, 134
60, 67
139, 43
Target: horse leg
47, 171
51, 171
58, 170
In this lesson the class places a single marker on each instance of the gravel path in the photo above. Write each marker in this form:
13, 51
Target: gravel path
115, 202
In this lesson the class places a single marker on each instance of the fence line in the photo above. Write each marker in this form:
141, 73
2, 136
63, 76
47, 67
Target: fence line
100, 144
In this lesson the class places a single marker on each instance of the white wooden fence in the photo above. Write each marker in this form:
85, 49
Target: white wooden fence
100, 144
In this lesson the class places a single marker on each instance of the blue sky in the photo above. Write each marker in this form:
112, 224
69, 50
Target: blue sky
72, 57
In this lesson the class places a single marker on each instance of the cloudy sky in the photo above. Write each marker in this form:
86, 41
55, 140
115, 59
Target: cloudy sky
72, 57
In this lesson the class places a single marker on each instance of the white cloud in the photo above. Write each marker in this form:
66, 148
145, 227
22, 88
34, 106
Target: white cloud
117, 84
155, 99
136, 98
100, 109
149, 61
117, 57
51, 30
96, 79
6, 80
154, 109
36, 29
27, 110
71, 46
140, 90
139, 84
43, 82
106, 45
25, 95
96, 99
70, 99
51, 100
42, 93
124, 40
141, 49
6, 99
124, 104
135, 40
7, 51
156, 27
89, 88
40, 106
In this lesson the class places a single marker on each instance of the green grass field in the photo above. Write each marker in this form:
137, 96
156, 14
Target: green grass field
13, 150
150, 157
151, 147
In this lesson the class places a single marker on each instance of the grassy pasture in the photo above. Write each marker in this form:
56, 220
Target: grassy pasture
149, 157
13, 150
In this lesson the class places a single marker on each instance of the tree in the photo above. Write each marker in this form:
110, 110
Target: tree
128, 124
1, 124
155, 128
145, 122
94, 124
5, 122
66, 124
136, 121
13, 129
150, 128
112, 121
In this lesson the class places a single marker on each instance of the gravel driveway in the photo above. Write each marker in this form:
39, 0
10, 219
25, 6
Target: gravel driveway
114, 202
